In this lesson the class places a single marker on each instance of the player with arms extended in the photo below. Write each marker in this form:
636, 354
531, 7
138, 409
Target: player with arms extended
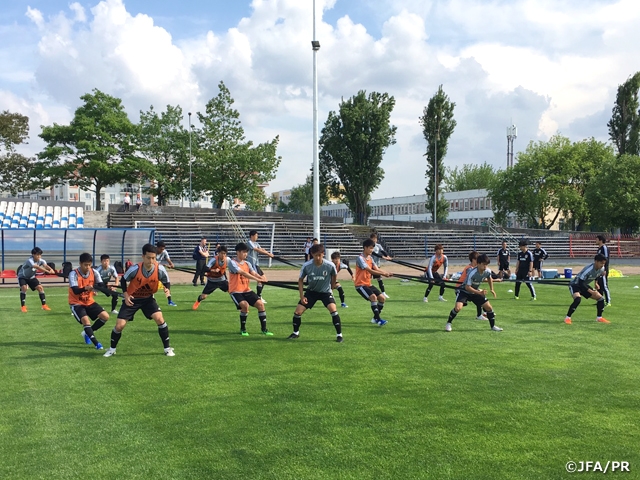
27, 278
579, 287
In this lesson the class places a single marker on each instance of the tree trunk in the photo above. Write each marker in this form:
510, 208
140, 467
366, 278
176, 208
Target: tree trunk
98, 190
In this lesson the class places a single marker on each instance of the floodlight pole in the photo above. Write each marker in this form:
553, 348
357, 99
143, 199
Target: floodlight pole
190, 184
315, 46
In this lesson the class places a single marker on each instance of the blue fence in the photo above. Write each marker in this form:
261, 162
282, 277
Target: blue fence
66, 245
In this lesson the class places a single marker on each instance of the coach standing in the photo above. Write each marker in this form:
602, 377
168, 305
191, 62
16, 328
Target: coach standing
200, 255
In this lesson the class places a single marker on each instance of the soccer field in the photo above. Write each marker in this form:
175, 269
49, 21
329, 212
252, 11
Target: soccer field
403, 401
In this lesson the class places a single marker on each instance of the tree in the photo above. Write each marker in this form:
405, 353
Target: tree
164, 142
95, 150
353, 143
15, 168
469, 177
14, 130
624, 126
300, 200
438, 125
614, 194
226, 165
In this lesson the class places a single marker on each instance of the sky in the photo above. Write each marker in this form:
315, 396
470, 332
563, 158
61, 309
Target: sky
547, 66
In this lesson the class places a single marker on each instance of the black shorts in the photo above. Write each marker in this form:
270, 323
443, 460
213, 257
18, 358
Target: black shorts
250, 297
522, 278
211, 287
464, 297
312, 297
537, 264
576, 288
437, 278
366, 291
148, 306
32, 282
503, 266
92, 311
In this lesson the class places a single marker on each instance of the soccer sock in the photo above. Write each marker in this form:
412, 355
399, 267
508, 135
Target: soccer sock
23, 298
88, 331
297, 321
381, 285
42, 299
115, 338
380, 307
114, 303
428, 290
169, 298
531, 289
243, 321
574, 306
341, 293
259, 290
492, 318
452, 315
200, 298
600, 306
263, 320
442, 289
376, 312
478, 310
163, 331
517, 294
335, 318
98, 324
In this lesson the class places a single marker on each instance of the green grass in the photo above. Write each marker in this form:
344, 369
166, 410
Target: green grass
404, 401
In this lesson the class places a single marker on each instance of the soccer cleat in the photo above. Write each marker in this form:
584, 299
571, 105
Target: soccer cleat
194, 284
567, 320
442, 299
202, 284
373, 320
87, 340
244, 333
99, 346
171, 303
385, 295
425, 300
516, 298
339, 339
496, 328
344, 305
481, 317
115, 311
607, 304
533, 299
196, 305
447, 327
23, 309
382, 323
46, 307
267, 333
110, 353
293, 336
602, 320
169, 352
263, 300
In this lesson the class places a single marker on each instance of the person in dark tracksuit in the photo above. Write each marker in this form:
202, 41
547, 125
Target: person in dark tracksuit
603, 281
524, 270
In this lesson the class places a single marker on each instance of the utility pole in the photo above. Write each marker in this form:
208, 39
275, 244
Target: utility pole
315, 46
512, 134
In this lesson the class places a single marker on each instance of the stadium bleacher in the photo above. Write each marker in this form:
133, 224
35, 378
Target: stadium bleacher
30, 215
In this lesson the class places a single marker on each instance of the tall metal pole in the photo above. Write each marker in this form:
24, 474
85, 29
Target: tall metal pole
190, 184
315, 45
435, 182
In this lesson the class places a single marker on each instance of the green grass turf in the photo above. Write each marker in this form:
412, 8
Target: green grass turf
408, 400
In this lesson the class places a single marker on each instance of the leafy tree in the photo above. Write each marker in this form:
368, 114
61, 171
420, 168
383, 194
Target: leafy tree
95, 150
228, 166
14, 130
300, 200
353, 143
15, 168
164, 142
614, 194
438, 125
469, 177
624, 126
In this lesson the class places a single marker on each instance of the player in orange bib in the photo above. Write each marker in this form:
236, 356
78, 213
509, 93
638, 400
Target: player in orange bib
365, 269
431, 272
144, 279
83, 283
215, 271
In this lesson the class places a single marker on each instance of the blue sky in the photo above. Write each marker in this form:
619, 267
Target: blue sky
548, 66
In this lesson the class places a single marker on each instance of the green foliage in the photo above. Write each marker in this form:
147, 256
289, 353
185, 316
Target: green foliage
300, 200
548, 179
624, 126
15, 168
614, 194
226, 165
438, 125
97, 149
469, 177
14, 130
406, 401
164, 142
353, 143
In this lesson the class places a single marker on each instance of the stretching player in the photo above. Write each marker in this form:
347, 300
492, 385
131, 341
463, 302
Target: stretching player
579, 287
365, 269
84, 281
431, 273
524, 270
472, 292
144, 279
321, 275
215, 271
473, 263
378, 253
603, 281
163, 258
339, 264
27, 277
108, 272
